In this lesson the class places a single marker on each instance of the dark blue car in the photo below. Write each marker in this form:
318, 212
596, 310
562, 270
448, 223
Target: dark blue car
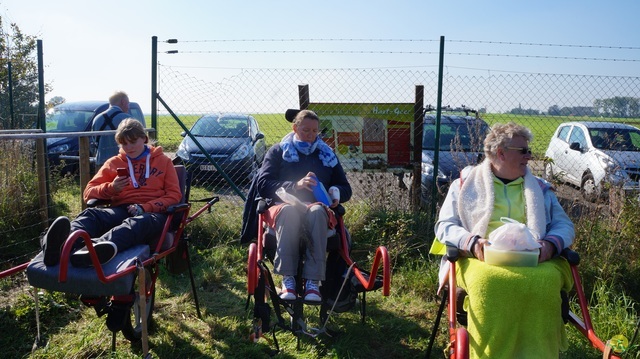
461, 145
76, 117
233, 141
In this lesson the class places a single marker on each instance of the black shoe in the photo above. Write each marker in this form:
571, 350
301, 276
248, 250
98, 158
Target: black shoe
53, 240
105, 250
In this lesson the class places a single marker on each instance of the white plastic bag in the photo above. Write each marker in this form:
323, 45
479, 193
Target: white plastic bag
291, 199
513, 236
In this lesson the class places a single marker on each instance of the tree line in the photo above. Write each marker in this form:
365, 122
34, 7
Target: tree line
618, 106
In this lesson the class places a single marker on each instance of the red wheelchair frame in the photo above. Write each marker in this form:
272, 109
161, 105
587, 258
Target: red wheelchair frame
260, 282
458, 347
138, 303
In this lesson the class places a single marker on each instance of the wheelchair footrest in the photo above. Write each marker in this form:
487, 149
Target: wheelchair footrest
360, 288
85, 280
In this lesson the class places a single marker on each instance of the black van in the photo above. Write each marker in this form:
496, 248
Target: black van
76, 117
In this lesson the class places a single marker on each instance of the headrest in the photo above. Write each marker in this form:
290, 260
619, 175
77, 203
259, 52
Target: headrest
290, 114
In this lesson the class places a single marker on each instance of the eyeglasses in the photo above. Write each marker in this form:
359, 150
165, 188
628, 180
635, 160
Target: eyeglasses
523, 150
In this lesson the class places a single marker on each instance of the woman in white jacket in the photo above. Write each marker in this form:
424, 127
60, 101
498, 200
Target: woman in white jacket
513, 312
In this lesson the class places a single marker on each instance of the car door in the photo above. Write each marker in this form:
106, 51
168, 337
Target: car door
576, 163
558, 145
259, 145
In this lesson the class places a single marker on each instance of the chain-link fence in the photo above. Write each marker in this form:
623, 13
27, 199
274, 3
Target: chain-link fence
371, 118
368, 118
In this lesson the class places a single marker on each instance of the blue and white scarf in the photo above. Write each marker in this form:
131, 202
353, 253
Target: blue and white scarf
290, 147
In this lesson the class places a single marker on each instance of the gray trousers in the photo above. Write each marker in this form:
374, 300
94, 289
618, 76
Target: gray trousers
289, 226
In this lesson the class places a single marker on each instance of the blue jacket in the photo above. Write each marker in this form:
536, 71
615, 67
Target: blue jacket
107, 146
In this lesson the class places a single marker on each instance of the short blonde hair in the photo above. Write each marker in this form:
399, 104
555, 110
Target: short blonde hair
130, 130
117, 96
501, 135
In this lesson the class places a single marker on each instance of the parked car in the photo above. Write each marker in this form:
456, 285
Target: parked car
595, 156
233, 141
461, 145
76, 117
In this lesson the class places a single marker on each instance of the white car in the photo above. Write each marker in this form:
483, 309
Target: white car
595, 156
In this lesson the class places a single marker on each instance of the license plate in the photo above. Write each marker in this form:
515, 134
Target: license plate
208, 168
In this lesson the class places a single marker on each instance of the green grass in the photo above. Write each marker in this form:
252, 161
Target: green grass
543, 127
397, 326
274, 126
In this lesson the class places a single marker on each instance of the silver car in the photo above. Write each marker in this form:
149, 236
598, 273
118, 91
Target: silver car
595, 156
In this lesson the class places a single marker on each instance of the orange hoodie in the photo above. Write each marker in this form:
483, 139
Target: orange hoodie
154, 194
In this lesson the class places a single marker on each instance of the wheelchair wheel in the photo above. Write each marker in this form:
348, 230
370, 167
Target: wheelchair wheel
132, 329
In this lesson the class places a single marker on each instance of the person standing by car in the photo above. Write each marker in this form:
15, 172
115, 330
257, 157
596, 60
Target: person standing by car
108, 121
298, 163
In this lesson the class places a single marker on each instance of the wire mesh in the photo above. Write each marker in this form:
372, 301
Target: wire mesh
539, 101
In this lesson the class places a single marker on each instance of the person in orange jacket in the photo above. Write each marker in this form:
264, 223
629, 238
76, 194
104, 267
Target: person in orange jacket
140, 182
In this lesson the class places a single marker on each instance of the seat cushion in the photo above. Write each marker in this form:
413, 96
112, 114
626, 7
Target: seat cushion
85, 280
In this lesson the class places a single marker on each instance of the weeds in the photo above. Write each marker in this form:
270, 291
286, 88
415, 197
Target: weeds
397, 326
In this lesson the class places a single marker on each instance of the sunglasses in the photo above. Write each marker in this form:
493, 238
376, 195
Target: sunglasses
523, 150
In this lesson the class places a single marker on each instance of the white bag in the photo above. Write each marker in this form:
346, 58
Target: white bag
513, 236
291, 199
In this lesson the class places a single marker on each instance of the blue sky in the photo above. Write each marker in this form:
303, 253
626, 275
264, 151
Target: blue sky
92, 48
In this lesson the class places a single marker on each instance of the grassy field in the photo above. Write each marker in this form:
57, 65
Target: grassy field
274, 126
397, 326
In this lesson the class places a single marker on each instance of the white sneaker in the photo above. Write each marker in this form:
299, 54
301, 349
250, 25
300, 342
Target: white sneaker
312, 291
288, 290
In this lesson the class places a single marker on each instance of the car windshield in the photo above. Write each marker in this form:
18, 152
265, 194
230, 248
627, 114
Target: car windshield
615, 139
211, 126
67, 121
467, 136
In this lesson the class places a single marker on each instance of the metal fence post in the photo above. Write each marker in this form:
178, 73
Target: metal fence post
154, 86
418, 116
436, 153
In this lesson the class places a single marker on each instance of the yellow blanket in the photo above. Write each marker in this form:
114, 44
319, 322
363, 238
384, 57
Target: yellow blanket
514, 312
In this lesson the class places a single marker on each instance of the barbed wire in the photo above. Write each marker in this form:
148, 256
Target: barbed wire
418, 40
400, 52
389, 68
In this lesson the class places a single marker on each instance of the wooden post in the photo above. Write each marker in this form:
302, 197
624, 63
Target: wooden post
42, 181
303, 96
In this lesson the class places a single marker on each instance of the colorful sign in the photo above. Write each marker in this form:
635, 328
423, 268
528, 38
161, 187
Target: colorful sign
368, 136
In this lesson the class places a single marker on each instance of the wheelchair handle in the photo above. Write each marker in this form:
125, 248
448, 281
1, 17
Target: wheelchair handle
453, 253
571, 256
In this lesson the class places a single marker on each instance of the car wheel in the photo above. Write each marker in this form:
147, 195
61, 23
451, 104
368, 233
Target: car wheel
588, 188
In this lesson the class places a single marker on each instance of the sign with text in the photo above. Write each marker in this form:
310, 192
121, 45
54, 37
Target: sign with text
368, 135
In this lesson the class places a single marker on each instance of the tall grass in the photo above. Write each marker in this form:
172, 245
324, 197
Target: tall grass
397, 326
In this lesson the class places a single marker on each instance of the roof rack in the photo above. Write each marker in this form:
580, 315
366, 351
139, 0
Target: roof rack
462, 108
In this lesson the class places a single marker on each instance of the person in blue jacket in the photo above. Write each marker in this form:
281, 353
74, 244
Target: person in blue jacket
298, 163
109, 121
